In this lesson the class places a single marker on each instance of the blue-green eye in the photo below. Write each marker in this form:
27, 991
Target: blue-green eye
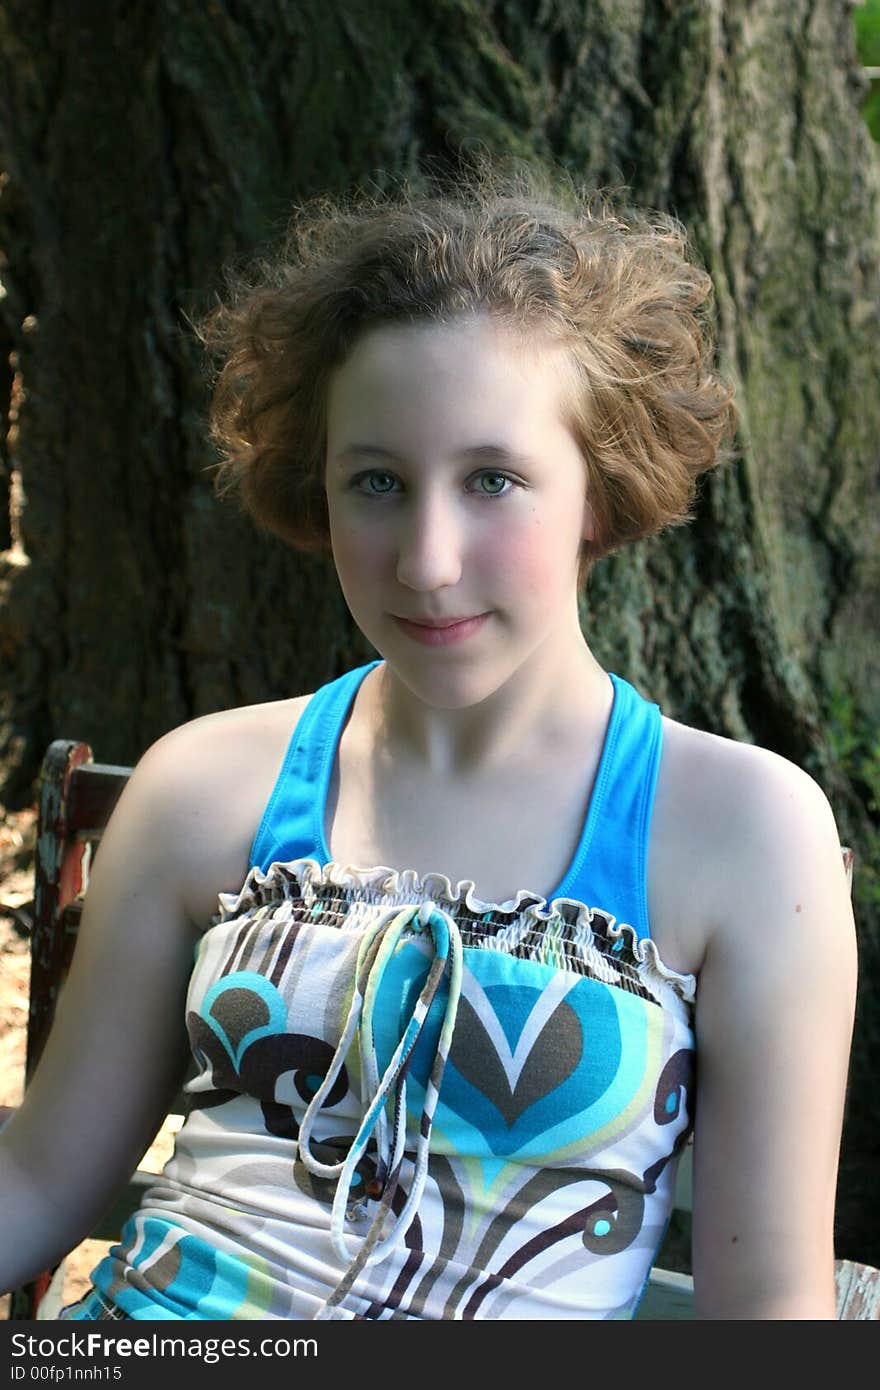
367, 482
499, 479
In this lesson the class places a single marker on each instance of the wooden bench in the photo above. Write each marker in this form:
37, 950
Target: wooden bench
77, 797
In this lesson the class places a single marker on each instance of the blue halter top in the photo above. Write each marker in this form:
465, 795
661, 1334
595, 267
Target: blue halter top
609, 864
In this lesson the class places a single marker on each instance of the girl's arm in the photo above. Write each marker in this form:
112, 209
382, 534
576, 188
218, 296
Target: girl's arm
775, 1004
116, 1051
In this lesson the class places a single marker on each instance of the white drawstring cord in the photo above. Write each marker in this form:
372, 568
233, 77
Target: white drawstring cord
375, 952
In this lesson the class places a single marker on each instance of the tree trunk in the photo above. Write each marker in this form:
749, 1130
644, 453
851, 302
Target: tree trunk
145, 145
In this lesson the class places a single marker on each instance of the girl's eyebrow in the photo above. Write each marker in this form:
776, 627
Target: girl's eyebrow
477, 453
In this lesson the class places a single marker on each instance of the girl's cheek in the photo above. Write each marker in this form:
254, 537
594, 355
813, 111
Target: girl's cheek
534, 552
355, 549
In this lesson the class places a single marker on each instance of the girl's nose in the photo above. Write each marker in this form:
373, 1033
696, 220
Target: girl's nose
429, 546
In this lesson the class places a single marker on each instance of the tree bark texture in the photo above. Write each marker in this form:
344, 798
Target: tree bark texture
145, 145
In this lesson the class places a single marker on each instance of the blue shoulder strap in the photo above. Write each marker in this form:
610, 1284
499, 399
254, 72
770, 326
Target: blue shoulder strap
293, 821
609, 869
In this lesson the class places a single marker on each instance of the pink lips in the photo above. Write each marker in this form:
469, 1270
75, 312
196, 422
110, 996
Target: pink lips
434, 635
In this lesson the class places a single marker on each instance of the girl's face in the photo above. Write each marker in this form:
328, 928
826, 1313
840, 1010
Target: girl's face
457, 502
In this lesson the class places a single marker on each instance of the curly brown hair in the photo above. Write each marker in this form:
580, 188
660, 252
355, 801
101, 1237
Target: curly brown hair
619, 287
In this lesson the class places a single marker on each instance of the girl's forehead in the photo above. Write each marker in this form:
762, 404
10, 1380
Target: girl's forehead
431, 389
472, 357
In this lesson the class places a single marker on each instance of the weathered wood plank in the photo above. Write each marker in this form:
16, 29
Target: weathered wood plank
670, 1296
858, 1291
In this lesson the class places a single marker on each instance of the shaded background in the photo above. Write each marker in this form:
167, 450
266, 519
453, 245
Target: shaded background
145, 145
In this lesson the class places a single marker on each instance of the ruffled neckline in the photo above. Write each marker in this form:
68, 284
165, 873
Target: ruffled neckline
489, 924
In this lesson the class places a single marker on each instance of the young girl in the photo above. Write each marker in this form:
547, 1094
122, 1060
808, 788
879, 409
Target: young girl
478, 898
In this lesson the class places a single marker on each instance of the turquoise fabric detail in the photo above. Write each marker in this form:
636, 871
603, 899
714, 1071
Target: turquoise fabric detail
491, 1104
226, 992
201, 1281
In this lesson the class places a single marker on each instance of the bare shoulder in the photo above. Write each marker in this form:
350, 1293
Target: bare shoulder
743, 827
212, 777
716, 771
214, 749
767, 921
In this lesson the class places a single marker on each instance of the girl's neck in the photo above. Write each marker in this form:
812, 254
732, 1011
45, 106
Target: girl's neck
558, 695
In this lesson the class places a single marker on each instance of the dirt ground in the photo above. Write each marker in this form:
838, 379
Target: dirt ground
16, 903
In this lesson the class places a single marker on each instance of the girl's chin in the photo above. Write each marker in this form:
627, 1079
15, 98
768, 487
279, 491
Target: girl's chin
445, 689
